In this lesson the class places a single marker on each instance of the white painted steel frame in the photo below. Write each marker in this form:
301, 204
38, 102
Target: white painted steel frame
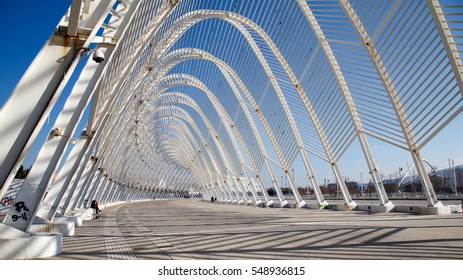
158, 130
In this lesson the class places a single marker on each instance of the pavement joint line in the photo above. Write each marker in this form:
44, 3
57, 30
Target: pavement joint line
162, 244
116, 246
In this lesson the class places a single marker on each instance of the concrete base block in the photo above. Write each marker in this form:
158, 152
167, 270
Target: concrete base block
241, 202
10, 232
77, 220
16, 244
433, 210
270, 204
284, 204
406, 208
84, 214
301, 204
259, 203
65, 228
388, 207
346, 207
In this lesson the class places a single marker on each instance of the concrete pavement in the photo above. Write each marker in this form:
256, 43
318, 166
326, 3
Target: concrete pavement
193, 229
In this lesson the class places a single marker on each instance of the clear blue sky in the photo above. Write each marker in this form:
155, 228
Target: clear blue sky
26, 25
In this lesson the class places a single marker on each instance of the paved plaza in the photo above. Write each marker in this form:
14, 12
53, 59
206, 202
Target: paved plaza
193, 229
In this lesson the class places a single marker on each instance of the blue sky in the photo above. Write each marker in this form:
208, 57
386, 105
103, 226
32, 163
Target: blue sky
26, 26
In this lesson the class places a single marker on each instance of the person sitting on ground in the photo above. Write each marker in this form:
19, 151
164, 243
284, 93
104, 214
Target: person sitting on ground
95, 207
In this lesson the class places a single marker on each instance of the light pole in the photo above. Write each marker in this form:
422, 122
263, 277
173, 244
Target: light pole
454, 176
294, 179
282, 182
307, 186
361, 182
327, 186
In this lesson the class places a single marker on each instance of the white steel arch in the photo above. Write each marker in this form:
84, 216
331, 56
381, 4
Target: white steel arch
187, 87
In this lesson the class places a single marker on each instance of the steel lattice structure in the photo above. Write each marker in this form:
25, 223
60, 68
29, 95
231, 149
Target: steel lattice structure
202, 98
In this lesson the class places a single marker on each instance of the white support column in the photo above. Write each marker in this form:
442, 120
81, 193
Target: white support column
53, 199
96, 183
90, 187
331, 59
257, 201
107, 191
64, 128
113, 190
36, 183
264, 191
50, 71
447, 40
30, 103
82, 185
117, 193
394, 99
313, 181
102, 188
85, 165
240, 188
283, 202
72, 195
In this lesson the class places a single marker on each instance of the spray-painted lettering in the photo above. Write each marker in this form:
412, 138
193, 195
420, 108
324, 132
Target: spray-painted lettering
8, 200
22, 216
20, 206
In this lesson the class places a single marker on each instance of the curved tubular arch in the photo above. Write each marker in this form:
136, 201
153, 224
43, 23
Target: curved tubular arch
177, 56
211, 129
180, 113
114, 167
187, 100
331, 59
225, 118
195, 168
184, 129
237, 20
184, 152
229, 74
210, 154
394, 100
117, 145
181, 127
159, 149
170, 82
